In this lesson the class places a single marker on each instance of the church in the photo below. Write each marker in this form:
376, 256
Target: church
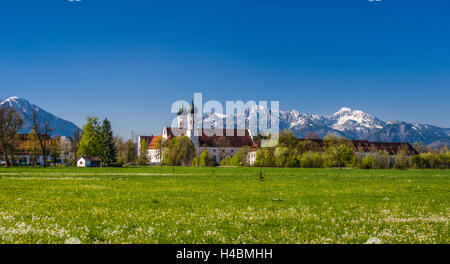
219, 143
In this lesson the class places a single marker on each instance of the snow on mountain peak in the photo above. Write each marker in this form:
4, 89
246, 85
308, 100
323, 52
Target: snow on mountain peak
12, 98
348, 119
344, 109
25, 108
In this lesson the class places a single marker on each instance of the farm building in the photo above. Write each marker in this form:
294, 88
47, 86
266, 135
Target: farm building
28, 151
87, 161
365, 147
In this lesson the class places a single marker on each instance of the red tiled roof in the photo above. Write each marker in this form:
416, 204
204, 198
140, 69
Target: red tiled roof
153, 143
151, 140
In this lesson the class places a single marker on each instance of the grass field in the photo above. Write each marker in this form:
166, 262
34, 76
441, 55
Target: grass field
223, 205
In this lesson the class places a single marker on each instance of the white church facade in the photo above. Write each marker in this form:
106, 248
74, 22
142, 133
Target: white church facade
219, 143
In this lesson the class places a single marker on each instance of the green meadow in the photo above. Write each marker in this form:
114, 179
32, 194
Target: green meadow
223, 205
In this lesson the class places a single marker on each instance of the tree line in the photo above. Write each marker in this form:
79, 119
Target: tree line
37, 142
97, 139
308, 153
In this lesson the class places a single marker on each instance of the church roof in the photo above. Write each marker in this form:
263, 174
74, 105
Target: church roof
235, 138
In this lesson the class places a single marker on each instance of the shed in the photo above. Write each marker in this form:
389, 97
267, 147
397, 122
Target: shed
88, 161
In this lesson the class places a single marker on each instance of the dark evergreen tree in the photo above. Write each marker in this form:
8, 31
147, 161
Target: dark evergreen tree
108, 153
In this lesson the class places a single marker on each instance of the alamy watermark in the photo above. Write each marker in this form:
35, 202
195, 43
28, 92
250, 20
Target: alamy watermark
210, 119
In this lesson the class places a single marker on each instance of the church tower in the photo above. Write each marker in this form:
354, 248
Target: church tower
182, 119
191, 124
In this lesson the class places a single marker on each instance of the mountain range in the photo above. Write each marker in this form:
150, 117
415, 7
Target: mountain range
60, 126
348, 123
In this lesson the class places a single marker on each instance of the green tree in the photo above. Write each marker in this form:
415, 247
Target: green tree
242, 154
287, 139
108, 152
339, 150
91, 140
226, 161
293, 161
205, 160
130, 152
401, 161
269, 157
381, 159
194, 162
259, 159
143, 153
236, 161
367, 162
179, 152
311, 160
281, 156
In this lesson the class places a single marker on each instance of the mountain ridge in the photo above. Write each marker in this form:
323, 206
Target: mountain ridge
352, 124
60, 126
346, 122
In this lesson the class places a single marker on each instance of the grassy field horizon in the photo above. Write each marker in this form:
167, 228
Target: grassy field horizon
223, 205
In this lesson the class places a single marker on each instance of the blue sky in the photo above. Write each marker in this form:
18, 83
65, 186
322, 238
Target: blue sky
129, 60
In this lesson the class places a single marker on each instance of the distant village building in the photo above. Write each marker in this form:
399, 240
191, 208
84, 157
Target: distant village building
87, 161
365, 147
28, 151
154, 151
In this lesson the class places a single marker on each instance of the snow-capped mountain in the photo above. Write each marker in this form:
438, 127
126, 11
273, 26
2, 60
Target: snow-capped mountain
349, 123
60, 126
354, 123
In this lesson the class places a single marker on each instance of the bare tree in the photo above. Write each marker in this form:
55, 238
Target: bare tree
11, 122
75, 142
42, 128
66, 148
222, 143
55, 149
160, 144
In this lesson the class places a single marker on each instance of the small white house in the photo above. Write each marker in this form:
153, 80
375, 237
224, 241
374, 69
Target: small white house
86, 161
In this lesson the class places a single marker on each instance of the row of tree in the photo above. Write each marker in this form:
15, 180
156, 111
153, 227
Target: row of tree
333, 152
96, 139
11, 122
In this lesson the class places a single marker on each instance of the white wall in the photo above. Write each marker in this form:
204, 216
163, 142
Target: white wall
81, 163
214, 152
154, 157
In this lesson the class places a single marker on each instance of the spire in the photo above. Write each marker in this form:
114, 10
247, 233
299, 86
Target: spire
192, 107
